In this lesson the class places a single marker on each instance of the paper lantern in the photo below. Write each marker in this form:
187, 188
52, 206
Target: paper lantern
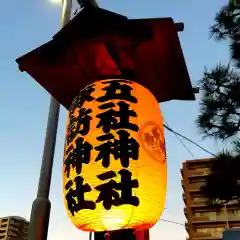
114, 173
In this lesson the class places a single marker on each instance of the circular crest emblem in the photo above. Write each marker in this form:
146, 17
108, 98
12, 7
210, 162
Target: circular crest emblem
153, 142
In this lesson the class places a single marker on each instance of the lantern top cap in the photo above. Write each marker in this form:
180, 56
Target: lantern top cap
99, 44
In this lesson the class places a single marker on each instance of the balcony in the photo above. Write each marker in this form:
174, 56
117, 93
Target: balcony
2, 234
216, 219
12, 234
14, 223
207, 236
196, 187
200, 202
204, 204
202, 172
3, 227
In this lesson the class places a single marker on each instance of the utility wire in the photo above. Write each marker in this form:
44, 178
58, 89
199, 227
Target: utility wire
178, 223
171, 130
181, 142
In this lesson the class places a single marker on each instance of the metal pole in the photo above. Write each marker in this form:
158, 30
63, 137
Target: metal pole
40, 213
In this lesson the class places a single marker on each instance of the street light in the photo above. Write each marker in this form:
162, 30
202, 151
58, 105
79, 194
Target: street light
40, 213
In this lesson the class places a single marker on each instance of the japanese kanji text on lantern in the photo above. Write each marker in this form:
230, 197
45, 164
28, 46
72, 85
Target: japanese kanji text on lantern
114, 173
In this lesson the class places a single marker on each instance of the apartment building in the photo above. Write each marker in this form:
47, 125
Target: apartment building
204, 222
13, 228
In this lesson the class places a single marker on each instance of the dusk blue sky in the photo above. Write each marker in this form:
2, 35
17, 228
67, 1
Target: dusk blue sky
27, 24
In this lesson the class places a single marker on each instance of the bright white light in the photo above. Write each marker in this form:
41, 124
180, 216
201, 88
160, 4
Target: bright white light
56, 1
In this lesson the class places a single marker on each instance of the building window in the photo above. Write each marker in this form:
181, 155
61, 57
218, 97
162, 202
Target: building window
197, 181
210, 215
207, 171
214, 232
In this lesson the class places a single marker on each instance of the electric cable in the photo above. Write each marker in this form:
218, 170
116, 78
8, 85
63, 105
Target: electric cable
181, 142
186, 138
169, 221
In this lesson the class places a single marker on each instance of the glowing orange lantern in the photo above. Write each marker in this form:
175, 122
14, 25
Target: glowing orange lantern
114, 173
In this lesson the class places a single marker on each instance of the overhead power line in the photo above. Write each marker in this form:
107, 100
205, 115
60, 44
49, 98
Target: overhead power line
182, 142
186, 138
178, 223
